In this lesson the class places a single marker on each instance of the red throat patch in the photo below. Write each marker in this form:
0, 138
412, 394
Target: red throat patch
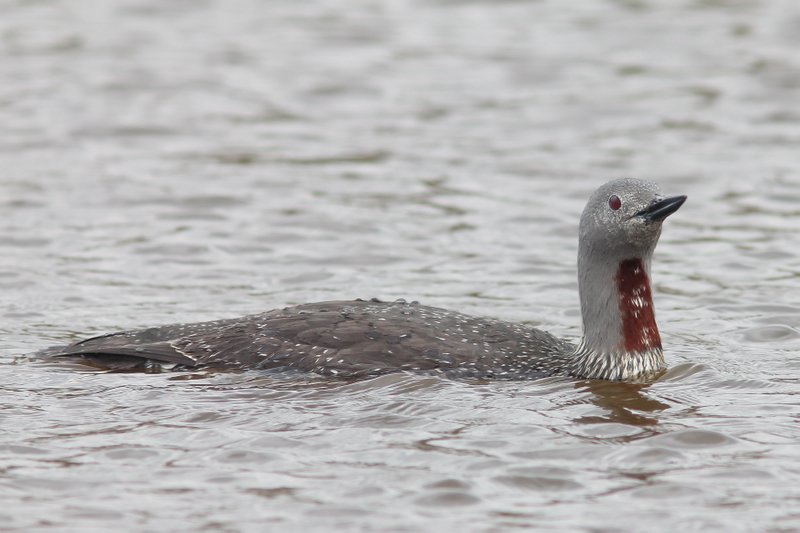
639, 330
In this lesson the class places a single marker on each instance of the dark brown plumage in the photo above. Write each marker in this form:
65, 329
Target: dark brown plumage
340, 338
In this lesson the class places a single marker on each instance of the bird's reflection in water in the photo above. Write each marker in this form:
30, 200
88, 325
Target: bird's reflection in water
623, 403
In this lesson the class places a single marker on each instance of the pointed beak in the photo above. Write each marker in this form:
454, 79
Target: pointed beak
661, 209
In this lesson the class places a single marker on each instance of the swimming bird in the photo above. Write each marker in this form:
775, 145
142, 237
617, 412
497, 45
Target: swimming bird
618, 232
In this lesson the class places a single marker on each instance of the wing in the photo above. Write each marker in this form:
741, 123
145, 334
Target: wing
347, 339
113, 345
167, 344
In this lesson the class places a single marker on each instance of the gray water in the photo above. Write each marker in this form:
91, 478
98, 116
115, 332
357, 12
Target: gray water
191, 160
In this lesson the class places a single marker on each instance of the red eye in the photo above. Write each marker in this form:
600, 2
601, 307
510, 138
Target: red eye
614, 202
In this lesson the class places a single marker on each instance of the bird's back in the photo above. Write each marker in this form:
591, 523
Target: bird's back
342, 338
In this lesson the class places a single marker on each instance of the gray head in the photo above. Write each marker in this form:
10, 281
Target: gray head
619, 229
623, 217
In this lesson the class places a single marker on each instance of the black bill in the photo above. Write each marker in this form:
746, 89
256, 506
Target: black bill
661, 209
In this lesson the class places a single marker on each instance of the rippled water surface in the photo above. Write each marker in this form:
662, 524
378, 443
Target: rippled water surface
182, 161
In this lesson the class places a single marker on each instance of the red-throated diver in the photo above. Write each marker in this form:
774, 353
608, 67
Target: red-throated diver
619, 229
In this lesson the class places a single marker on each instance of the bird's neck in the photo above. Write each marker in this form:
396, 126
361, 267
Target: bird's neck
620, 335
639, 329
